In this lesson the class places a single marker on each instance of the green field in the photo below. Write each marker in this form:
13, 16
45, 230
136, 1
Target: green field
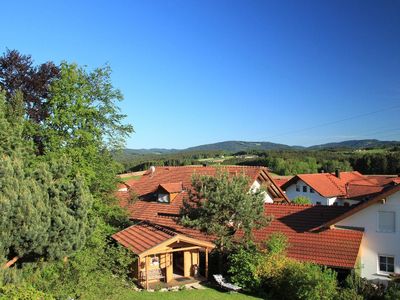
208, 293
135, 177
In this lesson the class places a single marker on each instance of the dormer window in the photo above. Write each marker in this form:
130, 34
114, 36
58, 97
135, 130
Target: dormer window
167, 192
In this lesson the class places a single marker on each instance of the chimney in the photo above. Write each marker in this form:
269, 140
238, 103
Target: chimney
152, 170
337, 173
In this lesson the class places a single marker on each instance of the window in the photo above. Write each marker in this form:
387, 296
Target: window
386, 221
304, 189
155, 261
311, 190
386, 264
318, 203
297, 188
163, 198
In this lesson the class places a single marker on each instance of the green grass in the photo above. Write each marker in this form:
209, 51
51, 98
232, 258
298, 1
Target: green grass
208, 293
135, 177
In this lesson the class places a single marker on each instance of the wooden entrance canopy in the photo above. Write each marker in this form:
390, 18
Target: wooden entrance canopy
154, 246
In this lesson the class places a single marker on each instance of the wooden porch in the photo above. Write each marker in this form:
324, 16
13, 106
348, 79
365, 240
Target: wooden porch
165, 258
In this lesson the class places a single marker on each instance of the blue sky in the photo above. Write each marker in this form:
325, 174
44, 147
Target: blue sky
195, 72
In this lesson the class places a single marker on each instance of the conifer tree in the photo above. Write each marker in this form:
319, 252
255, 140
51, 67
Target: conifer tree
44, 204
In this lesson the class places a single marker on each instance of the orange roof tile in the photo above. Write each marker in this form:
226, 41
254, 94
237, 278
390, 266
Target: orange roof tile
142, 236
331, 247
174, 187
347, 185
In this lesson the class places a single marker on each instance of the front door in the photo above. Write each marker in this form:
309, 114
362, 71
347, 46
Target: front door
178, 263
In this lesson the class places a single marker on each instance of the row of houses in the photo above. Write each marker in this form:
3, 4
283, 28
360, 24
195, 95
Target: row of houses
364, 233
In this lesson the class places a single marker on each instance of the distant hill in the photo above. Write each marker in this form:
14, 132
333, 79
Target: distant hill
156, 151
236, 146
356, 144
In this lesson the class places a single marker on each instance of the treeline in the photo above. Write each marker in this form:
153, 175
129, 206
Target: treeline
139, 162
281, 162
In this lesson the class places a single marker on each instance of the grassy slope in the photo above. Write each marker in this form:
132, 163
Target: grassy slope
209, 294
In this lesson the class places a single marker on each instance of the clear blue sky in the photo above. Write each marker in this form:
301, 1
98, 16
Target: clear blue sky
195, 72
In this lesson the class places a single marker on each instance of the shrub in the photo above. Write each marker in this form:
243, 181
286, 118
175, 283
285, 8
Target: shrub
348, 294
301, 200
243, 265
363, 287
305, 281
22, 293
277, 243
392, 291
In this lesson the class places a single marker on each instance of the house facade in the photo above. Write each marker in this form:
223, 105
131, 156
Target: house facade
379, 218
339, 188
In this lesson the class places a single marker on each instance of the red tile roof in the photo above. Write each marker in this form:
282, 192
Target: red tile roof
143, 236
331, 247
150, 181
146, 236
348, 185
280, 181
174, 187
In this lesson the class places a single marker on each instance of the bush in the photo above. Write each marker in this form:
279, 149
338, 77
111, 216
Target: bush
22, 293
301, 200
363, 287
305, 281
392, 291
349, 294
277, 243
243, 265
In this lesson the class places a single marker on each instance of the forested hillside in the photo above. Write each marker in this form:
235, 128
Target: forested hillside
58, 126
282, 162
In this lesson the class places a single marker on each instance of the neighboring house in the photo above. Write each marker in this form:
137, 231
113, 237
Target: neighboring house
339, 188
379, 218
168, 252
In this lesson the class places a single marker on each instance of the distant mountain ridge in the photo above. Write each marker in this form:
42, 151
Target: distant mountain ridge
236, 146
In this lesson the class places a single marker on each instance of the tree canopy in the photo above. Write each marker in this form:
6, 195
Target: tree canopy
222, 205
44, 205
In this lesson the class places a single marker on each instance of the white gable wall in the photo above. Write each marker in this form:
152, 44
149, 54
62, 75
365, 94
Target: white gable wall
377, 243
256, 186
314, 197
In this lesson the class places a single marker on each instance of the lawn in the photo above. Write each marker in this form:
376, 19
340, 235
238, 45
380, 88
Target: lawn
135, 177
208, 293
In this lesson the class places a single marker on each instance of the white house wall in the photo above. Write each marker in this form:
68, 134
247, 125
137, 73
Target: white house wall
314, 197
256, 186
376, 243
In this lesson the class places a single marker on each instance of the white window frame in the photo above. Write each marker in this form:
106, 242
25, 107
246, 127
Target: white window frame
377, 222
379, 264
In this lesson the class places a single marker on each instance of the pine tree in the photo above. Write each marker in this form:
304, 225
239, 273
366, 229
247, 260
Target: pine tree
44, 204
